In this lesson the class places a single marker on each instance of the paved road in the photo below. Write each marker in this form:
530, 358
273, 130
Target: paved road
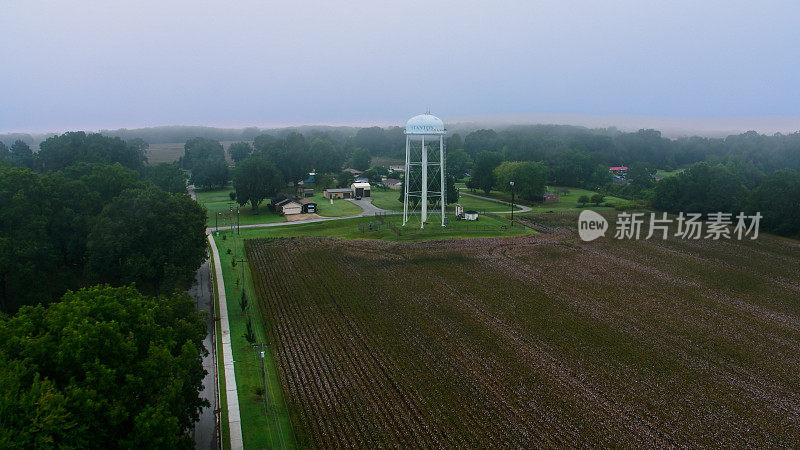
522, 208
203, 433
367, 207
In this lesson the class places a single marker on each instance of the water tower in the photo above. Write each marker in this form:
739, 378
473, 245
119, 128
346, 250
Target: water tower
425, 175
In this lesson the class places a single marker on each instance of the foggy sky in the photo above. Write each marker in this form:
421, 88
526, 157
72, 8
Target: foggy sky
110, 64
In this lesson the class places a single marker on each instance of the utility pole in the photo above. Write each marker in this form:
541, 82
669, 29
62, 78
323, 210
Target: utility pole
264, 379
512, 202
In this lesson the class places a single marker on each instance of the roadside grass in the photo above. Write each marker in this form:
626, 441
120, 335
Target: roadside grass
389, 200
339, 208
371, 228
566, 202
259, 429
225, 429
219, 202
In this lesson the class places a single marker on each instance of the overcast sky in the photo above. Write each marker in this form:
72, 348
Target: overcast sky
110, 64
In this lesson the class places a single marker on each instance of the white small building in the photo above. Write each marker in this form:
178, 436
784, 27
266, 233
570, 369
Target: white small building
471, 215
291, 207
360, 189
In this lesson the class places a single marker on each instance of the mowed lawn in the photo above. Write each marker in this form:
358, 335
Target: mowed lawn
566, 202
219, 202
372, 229
390, 200
535, 341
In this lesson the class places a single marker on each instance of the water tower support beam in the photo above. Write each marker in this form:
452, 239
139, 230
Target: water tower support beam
424, 216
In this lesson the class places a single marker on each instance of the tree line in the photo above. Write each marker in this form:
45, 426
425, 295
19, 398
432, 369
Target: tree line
83, 363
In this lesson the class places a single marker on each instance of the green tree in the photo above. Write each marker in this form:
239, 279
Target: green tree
640, 176
239, 151
168, 177
5, 153
27, 255
457, 163
344, 179
108, 180
104, 367
778, 201
583, 199
149, 237
324, 156
701, 188
597, 199
483, 176
324, 180
197, 150
210, 173
74, 147
529, 179
360, 159
255, 179
22, 155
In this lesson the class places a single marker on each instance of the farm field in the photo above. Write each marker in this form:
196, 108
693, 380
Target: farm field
534, 341
389, 200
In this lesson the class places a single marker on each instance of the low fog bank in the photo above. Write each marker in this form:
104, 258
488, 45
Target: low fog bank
670, 127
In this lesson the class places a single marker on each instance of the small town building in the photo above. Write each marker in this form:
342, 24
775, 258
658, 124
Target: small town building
393, 183
338, 193
353, 171
360, 189
308, 206
550, 197
304, 192
290, 207
397, 168
619, 171
471, 215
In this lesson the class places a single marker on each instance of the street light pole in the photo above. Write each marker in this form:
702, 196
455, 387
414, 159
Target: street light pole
512, 202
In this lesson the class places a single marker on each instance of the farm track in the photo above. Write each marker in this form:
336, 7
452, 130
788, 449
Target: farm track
537, 341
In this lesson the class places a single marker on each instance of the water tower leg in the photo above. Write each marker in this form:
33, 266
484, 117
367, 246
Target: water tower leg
405, 182
424, 215
442, 175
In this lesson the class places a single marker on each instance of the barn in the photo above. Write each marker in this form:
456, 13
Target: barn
360, 189
308, 205
337, 193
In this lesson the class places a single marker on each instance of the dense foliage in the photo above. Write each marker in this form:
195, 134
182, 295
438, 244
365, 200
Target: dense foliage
255, 179
149, 237
46, 222
104, 368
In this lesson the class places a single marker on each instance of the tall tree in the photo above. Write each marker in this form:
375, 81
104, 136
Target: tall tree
361, 159
324, 156
778, 201
149, 237
239, 151
210, 173
74, 147
255, 179
168, 177
200, 149
483, 176
22, 155
106, 368
457, 163
529, 179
